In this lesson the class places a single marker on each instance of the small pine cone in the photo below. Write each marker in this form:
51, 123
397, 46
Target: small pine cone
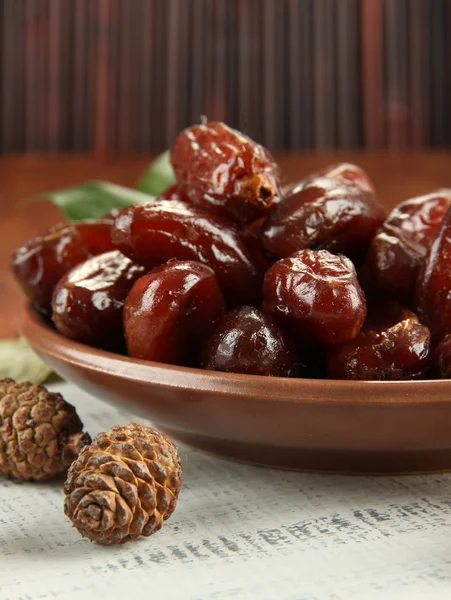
123, 485
40, 433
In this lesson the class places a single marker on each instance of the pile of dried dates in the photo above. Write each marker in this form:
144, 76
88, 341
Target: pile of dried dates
227, 272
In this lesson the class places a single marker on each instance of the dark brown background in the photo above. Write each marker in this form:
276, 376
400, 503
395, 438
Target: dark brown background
119, 76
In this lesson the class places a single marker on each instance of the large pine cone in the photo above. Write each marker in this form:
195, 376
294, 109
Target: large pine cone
123, 485
40, 433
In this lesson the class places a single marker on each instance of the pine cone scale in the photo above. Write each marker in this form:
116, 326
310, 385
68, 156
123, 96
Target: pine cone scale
40, 433
153, 525
123, 513
44, 435
138, 504
8, 407
128, 491
137, 525
72, 445
118, 469
96, 481
102, 498
139, 469
20, 418
93, 517
78, 495
147, 495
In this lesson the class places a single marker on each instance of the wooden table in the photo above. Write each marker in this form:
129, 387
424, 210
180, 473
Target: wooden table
397, 176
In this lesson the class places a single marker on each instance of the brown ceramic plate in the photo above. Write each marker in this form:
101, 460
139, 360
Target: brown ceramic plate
305, 424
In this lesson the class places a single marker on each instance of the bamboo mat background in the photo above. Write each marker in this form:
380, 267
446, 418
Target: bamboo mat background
120, 76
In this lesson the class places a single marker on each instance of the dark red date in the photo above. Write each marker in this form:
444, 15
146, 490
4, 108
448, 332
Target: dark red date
174, 192
248, 341
316, 295
401, 244
42, 261
88, 301
442, 358
392, 345
154, 233
96, 234
110, 215
432, 296
225, 171
168, 312
348, 171
328, 213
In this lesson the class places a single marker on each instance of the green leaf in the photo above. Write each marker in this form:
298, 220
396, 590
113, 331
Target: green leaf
158, 176
94, 198
21, 363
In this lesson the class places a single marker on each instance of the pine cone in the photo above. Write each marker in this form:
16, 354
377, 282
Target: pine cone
40, 433
125, 484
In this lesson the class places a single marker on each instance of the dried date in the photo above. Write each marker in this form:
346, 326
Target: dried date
40, 263
224, 171
442, 358
401, 244
88, 301
392, 345
154, 233
327, 213
316, 295
170, 310
96, 234
248, 341
432, 296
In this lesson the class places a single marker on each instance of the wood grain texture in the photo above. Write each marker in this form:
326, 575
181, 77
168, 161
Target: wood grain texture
397, 177
119, 76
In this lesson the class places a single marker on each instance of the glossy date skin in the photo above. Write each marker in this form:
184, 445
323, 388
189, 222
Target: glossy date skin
39, 264
174, 192
225, 171
170, 310
348, 171
154, 233
316, 295
329, 213
401, 244
88, 301
96, 234
392, 345
442, 358
432, 301
247, 341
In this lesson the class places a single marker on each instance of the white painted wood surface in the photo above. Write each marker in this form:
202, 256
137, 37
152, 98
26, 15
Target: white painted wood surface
238, 532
